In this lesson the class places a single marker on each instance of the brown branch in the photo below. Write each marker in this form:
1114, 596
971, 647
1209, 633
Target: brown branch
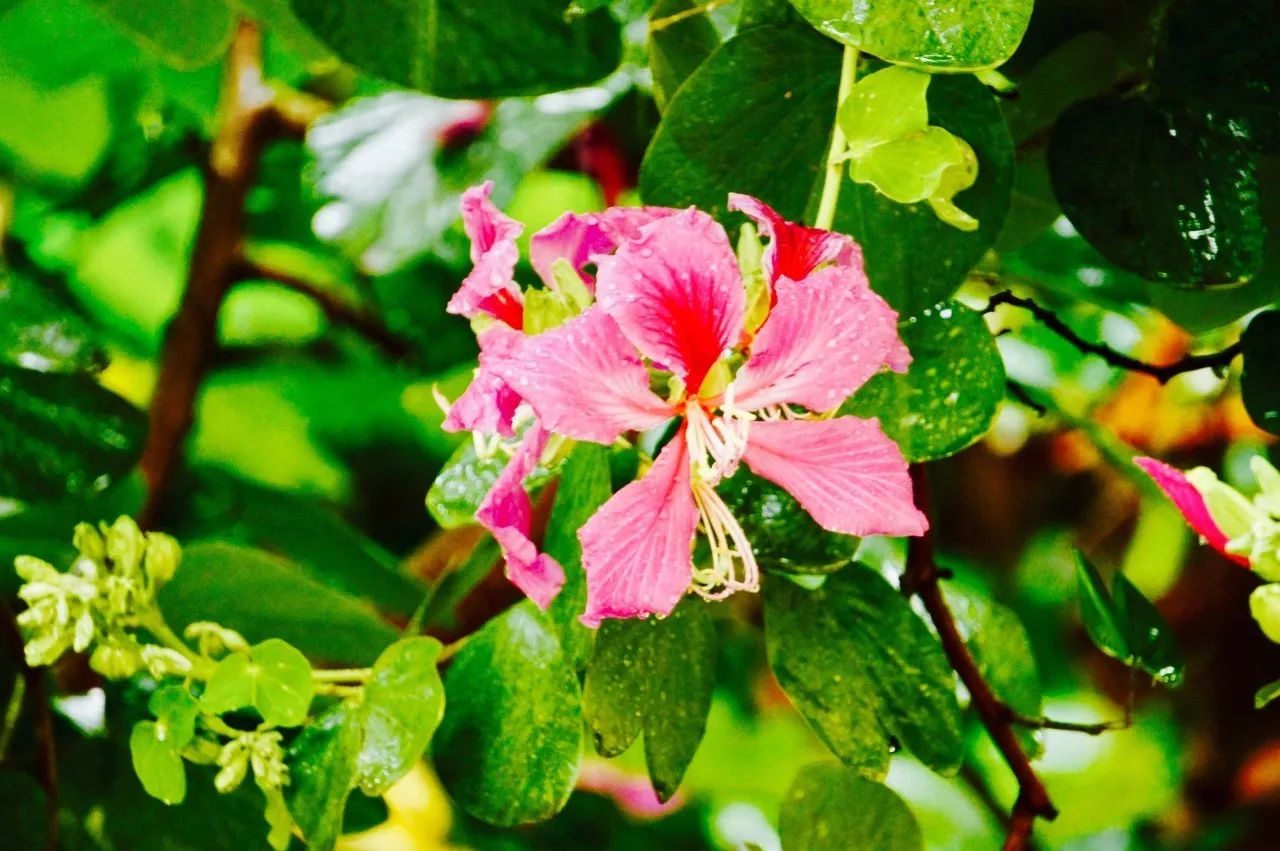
338, 310
1160, 372
921, 579
251, 115
46, 747
1087, 728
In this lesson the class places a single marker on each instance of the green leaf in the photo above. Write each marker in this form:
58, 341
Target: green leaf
322, 772
62, 435
58, 136
861, 667
884, 106
914, 256
176, 711
273, 678
950, 35
402, 706
653, 676
468, 48
1126, 626
1260, 381
261, 597
185, 33
585, 485
675, 51
157, 763
948, 397
1222, 60
1101, 619
1266, 694
783, 535
832, 808
1160, 191
755, 117
462, 485
1152, 644
41, 329
514, 712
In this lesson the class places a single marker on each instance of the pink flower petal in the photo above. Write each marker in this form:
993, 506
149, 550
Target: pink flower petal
632, 793
490, 287
489, 404
576, 237
795, 250
637, 549
507, 512
826, 335
583, 379
845, 472
1190, 503
676, 292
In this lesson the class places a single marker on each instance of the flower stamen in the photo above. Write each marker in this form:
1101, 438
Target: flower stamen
733, 562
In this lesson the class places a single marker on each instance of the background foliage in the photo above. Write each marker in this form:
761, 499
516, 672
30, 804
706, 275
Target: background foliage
241, 216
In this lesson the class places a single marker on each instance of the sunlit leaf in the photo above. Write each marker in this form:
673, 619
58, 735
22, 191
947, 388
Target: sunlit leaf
157, 763
830, 808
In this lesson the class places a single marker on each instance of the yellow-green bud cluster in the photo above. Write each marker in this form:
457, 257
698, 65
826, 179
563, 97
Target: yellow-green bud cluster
262, 751
109, 589
1252, 528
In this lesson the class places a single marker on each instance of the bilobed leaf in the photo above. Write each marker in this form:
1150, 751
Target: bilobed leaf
755, 117
157, 763
584, 486
676, 50
261, 596
1125, 625
175, 710
1159, 190
1260, 381
1221, 59
273, 678
783, 535
915, 258
949, 394
832, 808
950, 35
402, 706
861, 667
468, 48
514, 712
62, 435
322, 772
653, 676
1101, 619
185, 33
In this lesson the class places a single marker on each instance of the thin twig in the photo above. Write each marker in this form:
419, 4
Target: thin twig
1160, 372
335, 308
659, 24
921, 578
828, 201
1089, 729
251, 114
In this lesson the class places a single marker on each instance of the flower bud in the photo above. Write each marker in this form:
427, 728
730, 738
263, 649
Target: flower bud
125, 545
1264, 603
215, 639
88, 542
233, 771
162, 558
164, 662
116, 661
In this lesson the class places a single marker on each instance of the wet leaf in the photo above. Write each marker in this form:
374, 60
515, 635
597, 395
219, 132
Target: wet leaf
653, 676
157, 763
832, 808
1260, 381
783, 535
273, 678
322, 771
948, 397
402, 706
514, 711
1126, 626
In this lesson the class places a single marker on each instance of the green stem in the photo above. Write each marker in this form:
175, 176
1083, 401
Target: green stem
11, 713
835, 156
341, 675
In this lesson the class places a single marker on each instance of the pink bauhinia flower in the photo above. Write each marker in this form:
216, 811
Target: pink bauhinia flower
671, 301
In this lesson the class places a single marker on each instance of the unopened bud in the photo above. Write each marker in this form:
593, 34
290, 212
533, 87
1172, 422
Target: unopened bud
162, 558
1264, 603
116, 662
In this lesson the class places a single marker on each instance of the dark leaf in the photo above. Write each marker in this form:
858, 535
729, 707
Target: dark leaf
402, 706
676, 50
322, 772
783, 535
1260, 381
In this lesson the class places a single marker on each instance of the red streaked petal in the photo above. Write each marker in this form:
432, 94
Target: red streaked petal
676, 292
583, 379
637, 549
826, 335
489, 404
507, 512
490, 287
846, 473
795, 250
1189, 503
